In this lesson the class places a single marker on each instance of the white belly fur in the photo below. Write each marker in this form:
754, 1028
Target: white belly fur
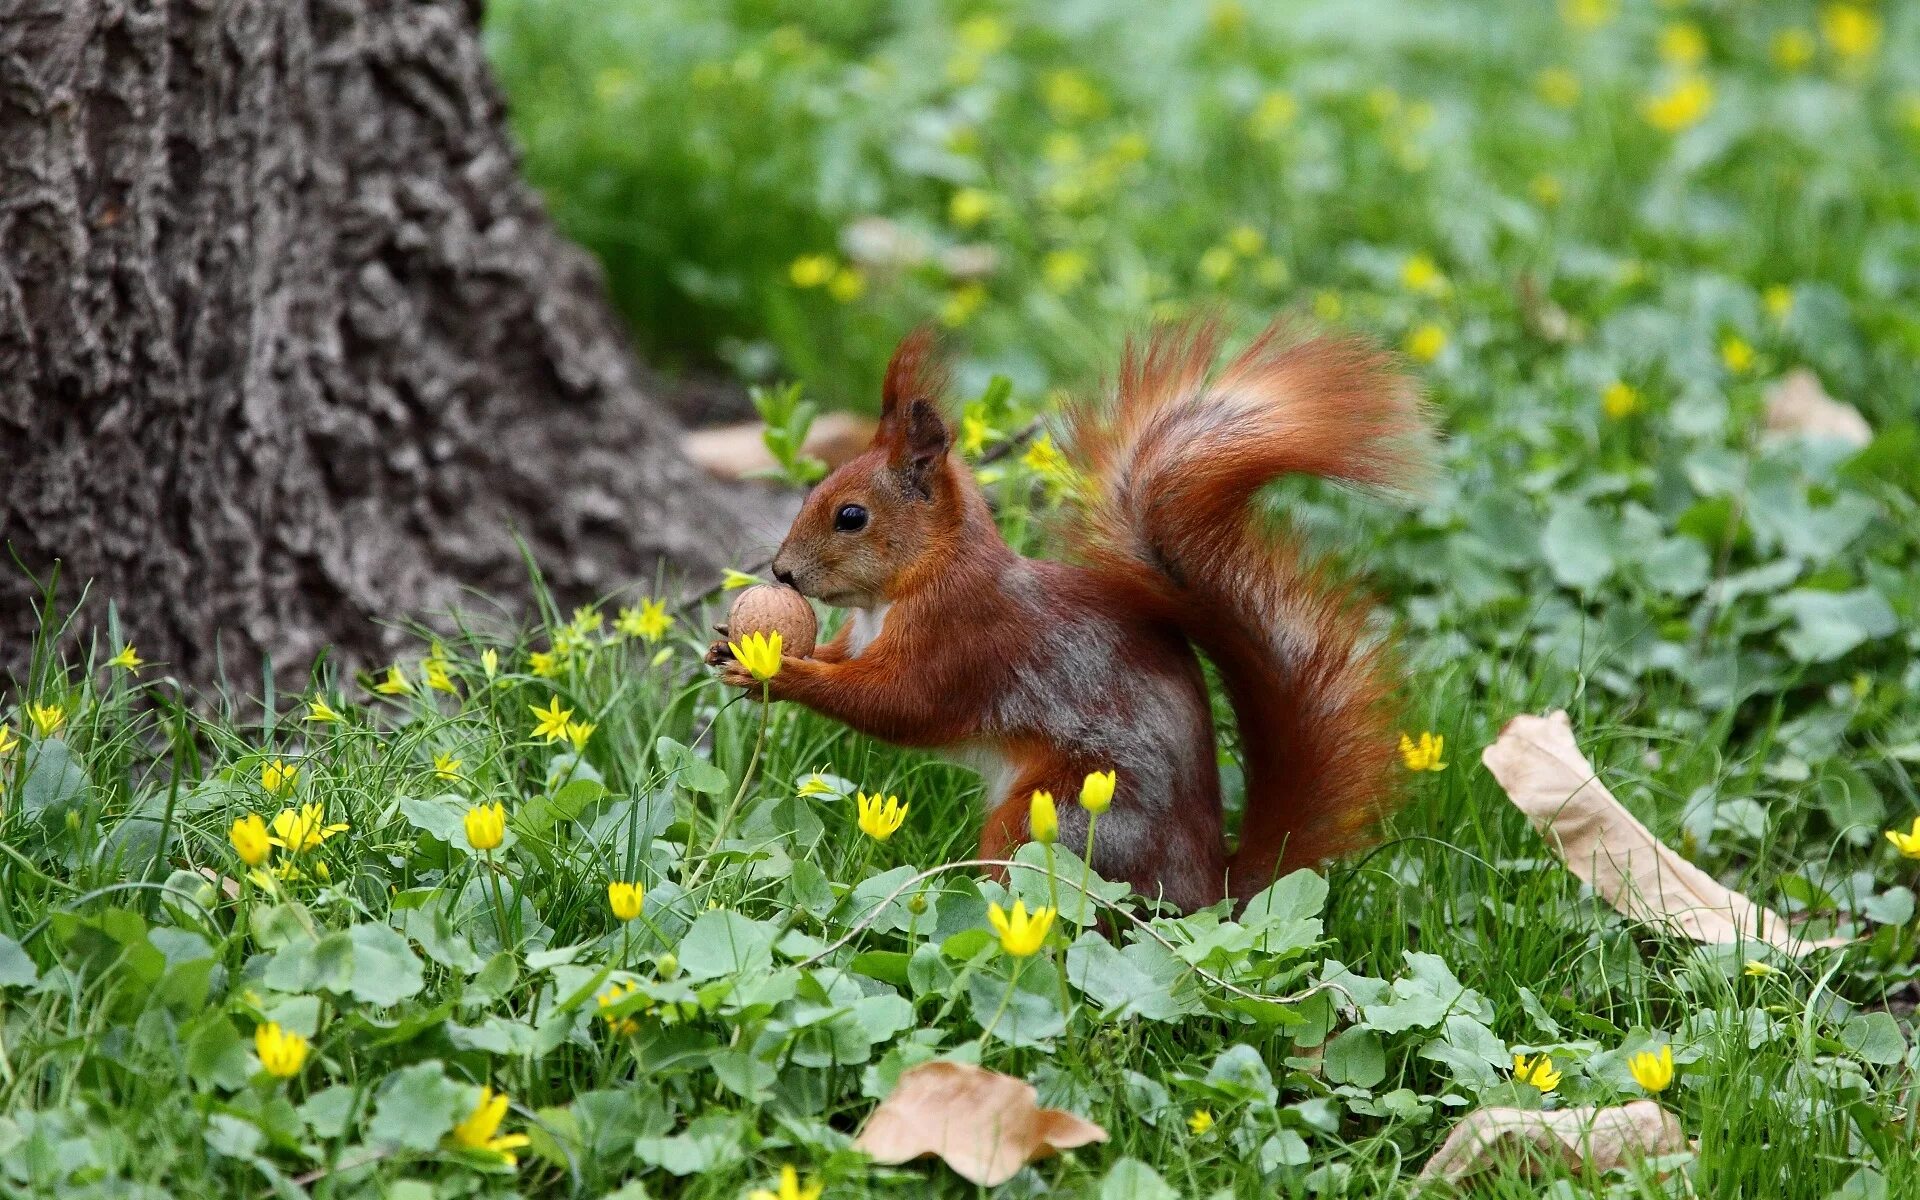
995, 770
868, 624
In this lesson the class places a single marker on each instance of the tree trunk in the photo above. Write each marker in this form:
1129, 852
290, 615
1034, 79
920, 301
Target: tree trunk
287, 348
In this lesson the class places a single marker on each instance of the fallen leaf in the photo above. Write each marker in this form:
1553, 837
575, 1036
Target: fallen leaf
737, 451
1601, 1138
1798, 406
985, 1125
1537, 762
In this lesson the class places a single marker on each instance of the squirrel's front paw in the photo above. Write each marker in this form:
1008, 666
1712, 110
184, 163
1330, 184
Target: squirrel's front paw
719, 653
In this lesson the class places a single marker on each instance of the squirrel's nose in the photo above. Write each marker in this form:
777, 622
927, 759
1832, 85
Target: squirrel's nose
783, 575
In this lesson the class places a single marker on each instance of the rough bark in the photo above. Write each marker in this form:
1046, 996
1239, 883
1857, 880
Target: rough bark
288, 349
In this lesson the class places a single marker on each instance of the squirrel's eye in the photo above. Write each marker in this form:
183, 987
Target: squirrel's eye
850, 519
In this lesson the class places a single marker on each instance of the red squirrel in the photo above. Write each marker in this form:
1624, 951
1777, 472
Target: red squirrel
1036, 672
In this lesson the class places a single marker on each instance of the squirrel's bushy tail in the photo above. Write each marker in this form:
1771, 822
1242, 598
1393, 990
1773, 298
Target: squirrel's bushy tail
1172, 460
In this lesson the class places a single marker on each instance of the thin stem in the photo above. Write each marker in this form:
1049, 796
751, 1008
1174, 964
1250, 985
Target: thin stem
499, 902
1086, 868
1019, 965
746, 780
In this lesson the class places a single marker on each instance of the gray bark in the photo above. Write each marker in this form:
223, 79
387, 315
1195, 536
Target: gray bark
287, 348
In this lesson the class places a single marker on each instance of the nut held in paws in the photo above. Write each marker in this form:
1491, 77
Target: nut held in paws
771, 607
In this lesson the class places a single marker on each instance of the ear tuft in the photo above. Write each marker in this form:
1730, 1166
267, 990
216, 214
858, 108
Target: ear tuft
916, 372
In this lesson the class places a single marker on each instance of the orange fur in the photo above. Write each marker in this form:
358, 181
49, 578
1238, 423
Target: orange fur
1175, 459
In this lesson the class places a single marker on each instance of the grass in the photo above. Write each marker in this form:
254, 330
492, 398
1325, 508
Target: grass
1599, 307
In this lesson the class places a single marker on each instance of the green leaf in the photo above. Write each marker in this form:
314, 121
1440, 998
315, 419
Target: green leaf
1578, 546
385, 969
710, 1143
1874, 1037
1131, 1179
16, 968
1240, 1073
722, 942
55, 782
888, 966
215, 1055
1025, 1012
1829, 624
689, 770
417, 1106
327, 1111
1356, 1057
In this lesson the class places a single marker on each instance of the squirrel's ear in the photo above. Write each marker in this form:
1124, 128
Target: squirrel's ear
923, 442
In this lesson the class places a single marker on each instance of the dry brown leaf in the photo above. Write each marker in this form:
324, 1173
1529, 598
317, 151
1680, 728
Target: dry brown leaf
737, 451
1602, 1138
984, 1124
1538, 763
1798, 406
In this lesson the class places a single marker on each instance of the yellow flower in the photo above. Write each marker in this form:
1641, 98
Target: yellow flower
277, 777
1758, 970
983, 34
249, 839
479, 1131
1546, 189
128, 659
544, 664
7, 739
1096, 791
47, 718
789, 1189
1586, 14
282, 1054
304, 829
1682, 44
1420, 274
1216, 264
395, 684
486, 826
1275, 112
1072, 96
1558, 86
650, 621
1652, 1071
880, 817
969, 207
759, 653
811, 270
1736, 354
552, 720
1908, 843
446, 767
847, 285
1199, 1122
1850, 30
586, 619
319, 710
961, 305
490, 662
1537, 1071
1043, 820
1792, 49
1424, 755
437, 678
1779, 301
1620, 400
1021, 935
618, 1024
816, 786
1328, 305
625, 899
578, 732
1246, 241
1426, 343
1063, 270
1044, 457
733, 580
1683, 105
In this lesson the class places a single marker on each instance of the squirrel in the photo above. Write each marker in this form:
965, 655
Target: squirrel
1036, 672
